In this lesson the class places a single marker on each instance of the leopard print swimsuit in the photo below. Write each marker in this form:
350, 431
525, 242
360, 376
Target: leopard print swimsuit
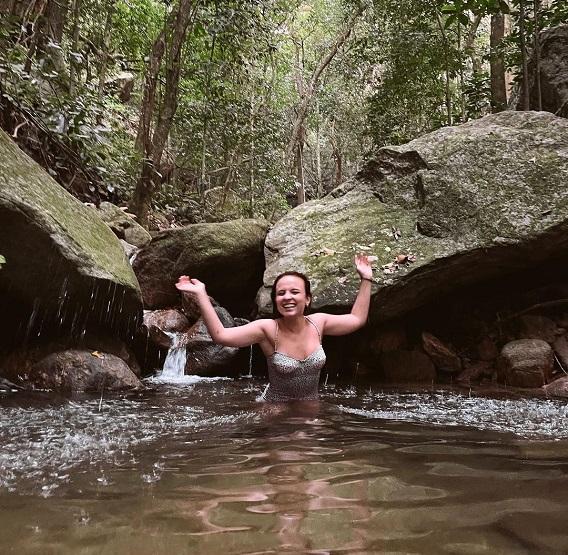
292, 379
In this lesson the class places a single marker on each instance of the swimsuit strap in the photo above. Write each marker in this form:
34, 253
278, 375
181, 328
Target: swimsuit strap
315, 326
276, 336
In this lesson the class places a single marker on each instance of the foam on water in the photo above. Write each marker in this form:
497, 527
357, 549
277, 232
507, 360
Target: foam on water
526, 418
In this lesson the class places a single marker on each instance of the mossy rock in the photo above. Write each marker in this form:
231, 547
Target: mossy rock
64, 267
470, 203
227, 256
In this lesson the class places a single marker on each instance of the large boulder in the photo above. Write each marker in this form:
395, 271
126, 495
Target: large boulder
64, 267
453, 208
553, 73
227, 256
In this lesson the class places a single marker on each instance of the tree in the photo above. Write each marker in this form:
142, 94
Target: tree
153, 141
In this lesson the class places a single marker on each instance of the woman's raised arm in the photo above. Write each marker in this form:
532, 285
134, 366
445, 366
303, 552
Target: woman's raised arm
342, 324
239, 336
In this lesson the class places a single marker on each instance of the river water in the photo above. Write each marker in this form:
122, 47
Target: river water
204, 468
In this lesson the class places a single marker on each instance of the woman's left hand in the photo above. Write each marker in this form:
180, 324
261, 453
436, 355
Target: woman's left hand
363, 266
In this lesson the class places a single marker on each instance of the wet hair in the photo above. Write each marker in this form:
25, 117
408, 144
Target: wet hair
307, 287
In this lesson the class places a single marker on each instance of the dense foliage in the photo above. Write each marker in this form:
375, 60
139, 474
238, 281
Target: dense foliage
266, 104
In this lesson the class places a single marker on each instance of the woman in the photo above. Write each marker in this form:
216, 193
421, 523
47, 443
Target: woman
292, 341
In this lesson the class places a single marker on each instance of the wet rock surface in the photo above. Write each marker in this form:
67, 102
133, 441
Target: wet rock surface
66, 272
161, 322
82, 371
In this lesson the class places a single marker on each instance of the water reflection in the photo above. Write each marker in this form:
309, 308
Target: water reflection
205, 469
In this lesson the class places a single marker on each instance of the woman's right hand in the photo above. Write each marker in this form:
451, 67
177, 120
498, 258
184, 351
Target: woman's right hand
192, 286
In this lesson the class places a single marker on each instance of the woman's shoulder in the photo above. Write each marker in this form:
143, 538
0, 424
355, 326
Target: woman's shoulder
318, 318
265, 324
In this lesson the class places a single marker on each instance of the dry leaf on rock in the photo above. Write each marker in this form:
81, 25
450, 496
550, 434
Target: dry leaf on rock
97, 354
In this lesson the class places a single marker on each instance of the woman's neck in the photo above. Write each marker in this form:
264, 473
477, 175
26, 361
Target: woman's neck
293, 324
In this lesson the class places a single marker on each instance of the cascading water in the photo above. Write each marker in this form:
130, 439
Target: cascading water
174, 365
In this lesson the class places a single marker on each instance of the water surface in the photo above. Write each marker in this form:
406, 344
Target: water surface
203, 468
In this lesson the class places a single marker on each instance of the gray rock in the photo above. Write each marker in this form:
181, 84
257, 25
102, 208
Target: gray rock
557, 388
123, 225
453, 195
206, 358
63, 264
525, 363
226, 256
77, 371
159, 322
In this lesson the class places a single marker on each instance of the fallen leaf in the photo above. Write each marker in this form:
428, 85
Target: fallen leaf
97, 354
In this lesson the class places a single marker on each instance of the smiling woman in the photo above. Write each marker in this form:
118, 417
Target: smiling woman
291, 341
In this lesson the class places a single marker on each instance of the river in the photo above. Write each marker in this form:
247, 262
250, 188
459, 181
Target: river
204, 468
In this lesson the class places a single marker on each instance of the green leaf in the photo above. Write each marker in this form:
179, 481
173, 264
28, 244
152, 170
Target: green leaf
450, 21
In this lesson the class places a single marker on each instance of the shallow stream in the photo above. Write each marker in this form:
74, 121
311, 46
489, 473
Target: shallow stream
204, 468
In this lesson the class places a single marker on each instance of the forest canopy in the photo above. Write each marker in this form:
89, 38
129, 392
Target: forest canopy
198, 110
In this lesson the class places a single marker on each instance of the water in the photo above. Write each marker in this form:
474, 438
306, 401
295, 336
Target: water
202, 468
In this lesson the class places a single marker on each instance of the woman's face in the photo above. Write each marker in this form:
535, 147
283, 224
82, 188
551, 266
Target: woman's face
291, 298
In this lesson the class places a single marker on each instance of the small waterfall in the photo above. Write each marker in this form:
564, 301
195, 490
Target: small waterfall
174, 365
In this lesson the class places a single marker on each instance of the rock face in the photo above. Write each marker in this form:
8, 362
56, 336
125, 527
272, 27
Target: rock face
206, 358
526, 363
226, 256
161, 322
64, 267
123, 225
557, 388
78, 371
553, 73
470, 202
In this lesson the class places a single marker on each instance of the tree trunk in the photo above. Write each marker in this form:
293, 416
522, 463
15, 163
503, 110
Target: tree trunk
74, 67
447, 70
174, 34
310, 90
537, 54
525, 93
149, 96
497, 64
469, 44
105, 48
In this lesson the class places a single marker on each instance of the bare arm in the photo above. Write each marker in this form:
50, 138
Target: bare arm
342, 324
240, 336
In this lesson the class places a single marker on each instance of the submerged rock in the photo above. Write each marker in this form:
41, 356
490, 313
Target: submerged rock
456, 207
65, 269
226, 256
